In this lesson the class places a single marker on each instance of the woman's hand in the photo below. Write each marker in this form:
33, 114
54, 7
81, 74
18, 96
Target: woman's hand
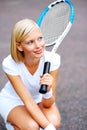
48, 80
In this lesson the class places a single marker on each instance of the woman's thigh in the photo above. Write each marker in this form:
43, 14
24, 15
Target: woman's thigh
20, 118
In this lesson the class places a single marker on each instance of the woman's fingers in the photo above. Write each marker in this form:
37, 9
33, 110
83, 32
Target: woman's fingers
46, 79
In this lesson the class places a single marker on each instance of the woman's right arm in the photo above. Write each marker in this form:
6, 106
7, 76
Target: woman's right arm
26, 97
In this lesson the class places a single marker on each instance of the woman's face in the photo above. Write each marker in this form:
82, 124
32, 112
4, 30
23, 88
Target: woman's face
33, 45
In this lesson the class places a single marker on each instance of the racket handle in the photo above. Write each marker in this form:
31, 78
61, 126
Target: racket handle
43, 88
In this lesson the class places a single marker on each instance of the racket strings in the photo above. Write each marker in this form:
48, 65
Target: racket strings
55, 22
56, 30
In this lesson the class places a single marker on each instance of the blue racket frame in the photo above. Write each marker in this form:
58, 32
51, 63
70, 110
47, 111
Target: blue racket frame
72, 15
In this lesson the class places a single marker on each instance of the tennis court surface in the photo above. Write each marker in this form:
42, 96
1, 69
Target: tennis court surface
72, 80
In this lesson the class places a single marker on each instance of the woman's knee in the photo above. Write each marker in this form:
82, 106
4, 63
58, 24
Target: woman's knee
31, 125
57, 123
28, 125
55, 120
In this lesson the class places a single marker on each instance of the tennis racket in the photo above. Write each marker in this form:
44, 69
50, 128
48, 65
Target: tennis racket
55, 22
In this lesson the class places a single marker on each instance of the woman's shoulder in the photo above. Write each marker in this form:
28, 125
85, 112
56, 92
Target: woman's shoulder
51, 56
9, 65
8, 60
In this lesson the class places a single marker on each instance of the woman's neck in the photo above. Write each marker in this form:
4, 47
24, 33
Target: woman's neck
30, 62
32, 65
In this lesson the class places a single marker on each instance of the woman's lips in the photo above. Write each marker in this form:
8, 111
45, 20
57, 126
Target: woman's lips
39, 51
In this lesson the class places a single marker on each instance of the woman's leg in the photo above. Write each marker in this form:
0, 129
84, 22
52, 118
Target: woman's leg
20, 118
52, 115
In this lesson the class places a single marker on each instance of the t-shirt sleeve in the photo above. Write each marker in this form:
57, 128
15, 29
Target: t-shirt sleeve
9, 66
55, 62
54, 59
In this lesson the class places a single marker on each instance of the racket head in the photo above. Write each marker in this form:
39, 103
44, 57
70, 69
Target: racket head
54, 20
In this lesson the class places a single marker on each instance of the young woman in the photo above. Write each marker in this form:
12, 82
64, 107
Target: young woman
21, 105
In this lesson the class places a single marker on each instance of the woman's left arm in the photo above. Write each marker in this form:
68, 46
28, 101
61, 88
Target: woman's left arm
52, 83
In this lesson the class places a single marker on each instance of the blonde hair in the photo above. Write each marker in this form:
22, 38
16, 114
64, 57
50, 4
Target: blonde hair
20, 31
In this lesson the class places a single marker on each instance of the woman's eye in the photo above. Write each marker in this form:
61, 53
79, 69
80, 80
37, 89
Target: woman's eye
40, 38
30, 42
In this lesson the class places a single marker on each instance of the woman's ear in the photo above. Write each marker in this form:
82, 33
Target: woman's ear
19, 47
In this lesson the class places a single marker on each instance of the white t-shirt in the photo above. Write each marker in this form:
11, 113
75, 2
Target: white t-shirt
32, 82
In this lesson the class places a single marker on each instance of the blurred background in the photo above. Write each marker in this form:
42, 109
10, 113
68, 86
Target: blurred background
72, 79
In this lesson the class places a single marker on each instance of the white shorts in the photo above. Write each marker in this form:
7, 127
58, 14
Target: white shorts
7, 103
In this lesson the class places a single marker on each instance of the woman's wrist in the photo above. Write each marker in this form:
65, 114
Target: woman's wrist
48, 94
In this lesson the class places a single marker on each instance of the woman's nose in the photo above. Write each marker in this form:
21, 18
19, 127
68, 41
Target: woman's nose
37, 44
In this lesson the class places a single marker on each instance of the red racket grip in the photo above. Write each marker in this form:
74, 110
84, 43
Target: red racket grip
43, 88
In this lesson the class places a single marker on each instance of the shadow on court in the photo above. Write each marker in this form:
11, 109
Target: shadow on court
72, 80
